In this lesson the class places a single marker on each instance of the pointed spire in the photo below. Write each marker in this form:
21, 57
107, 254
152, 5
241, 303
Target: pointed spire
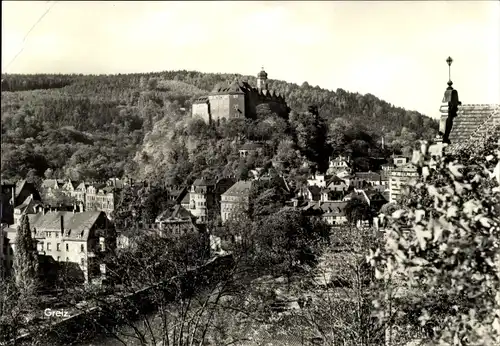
449, 61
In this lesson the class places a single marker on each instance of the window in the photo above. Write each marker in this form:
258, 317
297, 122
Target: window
48, 247
82, 261
82, 248
58, 247
67, 247
41, 246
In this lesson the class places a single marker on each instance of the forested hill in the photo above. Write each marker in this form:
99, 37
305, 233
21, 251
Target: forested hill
99, 126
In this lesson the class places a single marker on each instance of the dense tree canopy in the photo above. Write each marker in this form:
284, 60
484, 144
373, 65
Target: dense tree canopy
92, 127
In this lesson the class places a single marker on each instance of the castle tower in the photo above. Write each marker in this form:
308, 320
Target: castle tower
262, 80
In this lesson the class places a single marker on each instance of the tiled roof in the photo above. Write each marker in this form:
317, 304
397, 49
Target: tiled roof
203, 182
241, 188
314, 190
409, 167
202, 99
19, 186
29, 203
473, 122
185, 200
176, 212
371, 176
76, 222
250, 146
328, 208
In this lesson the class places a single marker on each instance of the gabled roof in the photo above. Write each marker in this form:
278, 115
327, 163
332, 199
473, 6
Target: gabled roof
473, 122
19, 186
185, 200
50, 183
76, 222
177, 212
28, 205
240, 188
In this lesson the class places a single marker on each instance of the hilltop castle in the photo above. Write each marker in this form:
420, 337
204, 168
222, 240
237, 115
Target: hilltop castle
238, 100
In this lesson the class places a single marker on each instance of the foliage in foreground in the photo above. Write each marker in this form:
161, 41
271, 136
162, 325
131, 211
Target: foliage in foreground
442, 247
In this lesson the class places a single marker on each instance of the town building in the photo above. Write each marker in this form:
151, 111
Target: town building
77, 241
250, 149
88, 196
175, 221
238, 100
365, 179
340, 166
337, 184
14, 194
399, 160
400, 178
333, 213
235, 200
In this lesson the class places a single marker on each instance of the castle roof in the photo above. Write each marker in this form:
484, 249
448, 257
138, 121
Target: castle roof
202, 99
262, 74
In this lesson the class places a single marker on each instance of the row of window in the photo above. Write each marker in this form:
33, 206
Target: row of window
58, 247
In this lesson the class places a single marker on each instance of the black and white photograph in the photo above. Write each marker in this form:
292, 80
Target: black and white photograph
250, 173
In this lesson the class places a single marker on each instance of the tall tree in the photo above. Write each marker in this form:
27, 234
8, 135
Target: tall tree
25, 258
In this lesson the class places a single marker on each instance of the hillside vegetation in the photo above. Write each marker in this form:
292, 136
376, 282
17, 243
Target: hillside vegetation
99, 126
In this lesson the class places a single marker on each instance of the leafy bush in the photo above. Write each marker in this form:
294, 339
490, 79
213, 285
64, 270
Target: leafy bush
443, 244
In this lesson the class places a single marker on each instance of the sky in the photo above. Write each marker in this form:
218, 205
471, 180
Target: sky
394, 50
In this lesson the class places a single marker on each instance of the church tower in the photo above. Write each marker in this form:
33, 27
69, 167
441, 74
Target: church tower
262, 80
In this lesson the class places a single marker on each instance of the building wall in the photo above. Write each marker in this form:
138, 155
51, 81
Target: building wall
233, 206
219, 106
201, 204
51, 242
201, 110
397, 183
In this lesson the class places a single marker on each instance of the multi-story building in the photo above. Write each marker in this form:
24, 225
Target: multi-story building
78, 241
238, 100
333, 213
399, 160
13, 195
340, 166
365, 179
202, 199
337, 184
88, 196
400, 178
235, 200
175, 221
